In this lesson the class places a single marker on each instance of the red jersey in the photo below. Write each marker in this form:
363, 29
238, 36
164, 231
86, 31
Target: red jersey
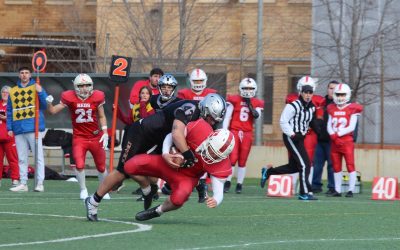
134, 96
197, 132
3, 123
188, 94
341, 117
242, 118
84, 112
317, 100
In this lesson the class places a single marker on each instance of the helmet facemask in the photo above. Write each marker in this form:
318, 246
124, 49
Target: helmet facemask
198, 80
217, 146
167, 80
248, 88
341, 94
83, 86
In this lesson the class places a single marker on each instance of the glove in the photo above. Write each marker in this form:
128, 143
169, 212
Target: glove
104, 140
297, 137
189, 158
49, 99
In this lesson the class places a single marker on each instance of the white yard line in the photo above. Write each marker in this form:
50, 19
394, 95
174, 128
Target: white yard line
243, 245
140, 228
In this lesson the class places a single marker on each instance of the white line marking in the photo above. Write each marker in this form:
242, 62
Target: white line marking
288, 242
141, 228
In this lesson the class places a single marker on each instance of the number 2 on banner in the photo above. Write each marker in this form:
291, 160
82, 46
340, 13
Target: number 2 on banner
385, 188
121, 64
280, 186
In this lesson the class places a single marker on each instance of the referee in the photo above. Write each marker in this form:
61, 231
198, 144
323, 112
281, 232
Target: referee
295, 121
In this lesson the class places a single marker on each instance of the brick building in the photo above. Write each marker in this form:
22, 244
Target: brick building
227, 28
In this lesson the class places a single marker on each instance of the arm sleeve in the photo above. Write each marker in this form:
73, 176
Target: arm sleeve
218, 189
349, 129
9, 114
287, 114
42, 99
228, 116
329, 126
167, 144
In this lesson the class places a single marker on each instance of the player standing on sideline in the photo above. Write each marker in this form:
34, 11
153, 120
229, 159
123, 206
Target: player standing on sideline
241, 111
211, 149
295, 120
152, 82
7, 143
197, 91
87, 111
21, 123
147, 134
342, 122
311, 139
323, 149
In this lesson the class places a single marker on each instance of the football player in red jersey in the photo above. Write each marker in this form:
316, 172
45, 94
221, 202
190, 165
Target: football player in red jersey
87, 111
198, 87
211, 149
241, 111
197, 91
311, 139
342, 122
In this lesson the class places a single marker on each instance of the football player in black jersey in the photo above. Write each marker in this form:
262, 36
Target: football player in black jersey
146, 135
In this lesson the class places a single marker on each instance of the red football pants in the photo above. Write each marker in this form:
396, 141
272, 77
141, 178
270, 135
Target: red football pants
339, 150
241, 151
80, 146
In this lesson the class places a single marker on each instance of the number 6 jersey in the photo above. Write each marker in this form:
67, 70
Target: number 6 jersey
84, 112
242, 119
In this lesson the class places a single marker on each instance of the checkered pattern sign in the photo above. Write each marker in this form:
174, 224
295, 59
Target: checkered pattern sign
23, 102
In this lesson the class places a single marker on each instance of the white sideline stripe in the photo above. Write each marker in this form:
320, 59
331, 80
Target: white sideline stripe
289, 242
141, 228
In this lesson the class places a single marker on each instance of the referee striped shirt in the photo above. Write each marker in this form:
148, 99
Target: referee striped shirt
296, 117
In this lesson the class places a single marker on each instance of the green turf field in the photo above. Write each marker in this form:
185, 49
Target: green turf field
56, 219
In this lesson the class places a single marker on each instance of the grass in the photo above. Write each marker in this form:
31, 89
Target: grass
56, 219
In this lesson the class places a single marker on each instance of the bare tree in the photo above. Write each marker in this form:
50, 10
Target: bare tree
349, 37
152, 33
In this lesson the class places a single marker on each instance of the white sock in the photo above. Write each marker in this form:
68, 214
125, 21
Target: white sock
93, 202
159, 210
311, 175
101, 176
295, 178
146, 190
338, 181
241, 173
352, 180
230, 176
204, 176
81, 177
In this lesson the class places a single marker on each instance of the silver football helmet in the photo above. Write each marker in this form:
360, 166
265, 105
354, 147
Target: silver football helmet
167, 80
213, 105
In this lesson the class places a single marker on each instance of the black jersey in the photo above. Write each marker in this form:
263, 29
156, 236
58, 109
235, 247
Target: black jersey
157, 103
150, 132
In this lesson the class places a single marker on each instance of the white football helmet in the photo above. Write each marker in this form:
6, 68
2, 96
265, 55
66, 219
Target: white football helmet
306, 80
217, 146
213, 105
198, 74
341, 88
167, 80
248, 83
83, 79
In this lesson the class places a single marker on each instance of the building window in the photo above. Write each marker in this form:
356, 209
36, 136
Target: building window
217, 81
59, 2
268, 93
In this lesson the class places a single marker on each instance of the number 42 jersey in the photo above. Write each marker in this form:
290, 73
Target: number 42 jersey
84, 112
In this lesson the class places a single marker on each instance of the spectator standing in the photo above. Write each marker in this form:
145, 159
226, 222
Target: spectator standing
7, 143
323, 149
21, 123
152, 82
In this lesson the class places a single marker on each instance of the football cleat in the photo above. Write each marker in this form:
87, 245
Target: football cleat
202, 190
166, 189
334, 194
307, 197
227, 186
147, 214
39, 188
264, 177
148, 199
91, 210
330, 191
20, 188
349, 194
238, 189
